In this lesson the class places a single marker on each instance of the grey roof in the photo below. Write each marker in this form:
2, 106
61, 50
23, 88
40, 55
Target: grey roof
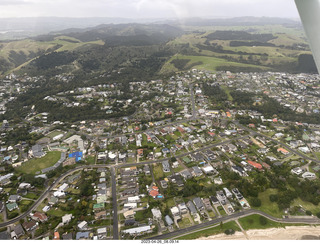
82, 235
186, 174
18, 230
37, 151
197, 170
191, 207
198, 202
4, 235
67, 236
129, 222
168, 220
14, 198
166, 165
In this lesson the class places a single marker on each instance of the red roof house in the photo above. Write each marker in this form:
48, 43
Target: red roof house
254, 164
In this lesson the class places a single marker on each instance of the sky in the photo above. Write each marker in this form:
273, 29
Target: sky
148, 8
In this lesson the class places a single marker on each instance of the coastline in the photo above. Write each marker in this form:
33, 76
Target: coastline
287, 233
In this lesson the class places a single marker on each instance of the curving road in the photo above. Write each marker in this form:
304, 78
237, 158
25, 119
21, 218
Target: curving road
182, 231
232, 217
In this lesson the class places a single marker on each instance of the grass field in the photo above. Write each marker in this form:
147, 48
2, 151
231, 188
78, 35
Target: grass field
208, 63
54, 133
253, 222
267, 206
37, 164
210, 231
158, 172
306, 205
28, 46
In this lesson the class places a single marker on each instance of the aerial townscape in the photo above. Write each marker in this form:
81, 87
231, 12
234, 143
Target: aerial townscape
206, 130
207, 149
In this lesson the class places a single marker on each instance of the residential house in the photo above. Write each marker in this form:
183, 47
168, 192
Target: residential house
228, 193
214, 200
98, 207
12, 206
129, 214
283, 151
83, 235
207, 204
67, 236
100, 215
14, 198
175, 212
66, 219
138, 230
164, 184
83, 225
4, 235
102, 233
221, 197
196, 171
183, 208
156, 213
17, 232
297, 171
199, 204
37, 216
146, 169
237, 193
37, 151
186, 174
177, 179
130, 222
208, 170
192, 208
31, 225
168, 220
166, 166
240, 171
308, 175
56, 236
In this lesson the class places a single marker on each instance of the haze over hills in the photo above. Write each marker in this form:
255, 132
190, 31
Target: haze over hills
163, 47
19, 28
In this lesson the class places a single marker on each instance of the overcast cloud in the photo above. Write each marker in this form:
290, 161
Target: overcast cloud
148, 8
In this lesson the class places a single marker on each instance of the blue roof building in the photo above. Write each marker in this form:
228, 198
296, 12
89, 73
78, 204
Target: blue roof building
77, 155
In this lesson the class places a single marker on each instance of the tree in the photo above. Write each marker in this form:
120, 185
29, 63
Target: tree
255, 202
273, 198
263, 220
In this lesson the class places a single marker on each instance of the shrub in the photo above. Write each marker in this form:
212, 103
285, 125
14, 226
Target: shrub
229, 231
263, 220
255, 202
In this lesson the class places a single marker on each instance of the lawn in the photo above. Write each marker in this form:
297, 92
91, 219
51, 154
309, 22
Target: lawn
54, 133
221, 211
267, 206
184, 223
37, 164
211, 231
31, 195
56, 212
158, 172
207, 63
91, 159
306, 205
253, 222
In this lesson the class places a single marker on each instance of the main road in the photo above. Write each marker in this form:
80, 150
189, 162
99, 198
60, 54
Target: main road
114, 204
232, 217
179, 232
